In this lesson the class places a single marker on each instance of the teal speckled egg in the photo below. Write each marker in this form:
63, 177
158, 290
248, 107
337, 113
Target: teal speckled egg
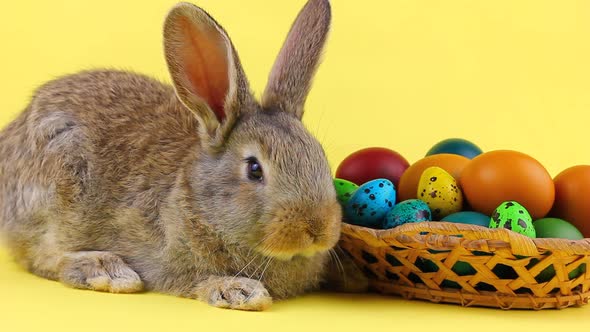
411, 210
370, 203
344, 190
513, 216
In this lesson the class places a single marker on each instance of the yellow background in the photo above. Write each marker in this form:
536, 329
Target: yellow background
401, 74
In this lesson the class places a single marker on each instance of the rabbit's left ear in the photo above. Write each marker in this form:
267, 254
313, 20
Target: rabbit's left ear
290, 78
205, 68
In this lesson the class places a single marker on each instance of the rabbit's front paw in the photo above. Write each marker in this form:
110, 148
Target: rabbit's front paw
234, 293
100, 271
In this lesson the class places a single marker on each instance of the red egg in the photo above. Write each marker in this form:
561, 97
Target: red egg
372, 163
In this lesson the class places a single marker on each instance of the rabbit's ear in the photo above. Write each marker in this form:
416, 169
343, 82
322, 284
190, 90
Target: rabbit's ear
290, 78
204, 67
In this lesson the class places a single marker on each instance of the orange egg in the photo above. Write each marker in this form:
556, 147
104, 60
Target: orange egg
408, 183
572, 197
498, 176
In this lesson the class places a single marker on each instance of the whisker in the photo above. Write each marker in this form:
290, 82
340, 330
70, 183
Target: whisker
256, 270
341, 250
338, 262
265, 268
319, 123
252, 247
266, 248
242, 270
268, 261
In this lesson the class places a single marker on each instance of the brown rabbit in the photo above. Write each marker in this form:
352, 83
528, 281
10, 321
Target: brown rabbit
116, 182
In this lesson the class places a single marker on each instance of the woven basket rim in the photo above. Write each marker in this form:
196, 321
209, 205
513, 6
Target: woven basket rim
443, 235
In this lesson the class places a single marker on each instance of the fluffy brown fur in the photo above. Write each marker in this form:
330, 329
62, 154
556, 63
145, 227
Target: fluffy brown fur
116, 182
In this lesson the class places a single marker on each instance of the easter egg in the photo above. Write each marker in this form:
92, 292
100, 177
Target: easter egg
468, 217
408, 183
412, 210
440, 191
504, 272
370, 203
572, 192
513, 216
498, 176
372, 163
460, 268
556, 228
561, 229
463, 269
549, 272
344, 190
458, 146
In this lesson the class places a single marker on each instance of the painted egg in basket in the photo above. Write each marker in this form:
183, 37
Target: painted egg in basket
411, 210
370, 203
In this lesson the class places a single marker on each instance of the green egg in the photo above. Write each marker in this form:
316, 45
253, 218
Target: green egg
460, 268
504, 272
463, 269
468, 217
549, 272
344, 190
513, 216
556, 228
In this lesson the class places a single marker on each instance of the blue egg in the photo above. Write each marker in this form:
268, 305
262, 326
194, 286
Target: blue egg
458, 146
370, 203
411, 210
468, 217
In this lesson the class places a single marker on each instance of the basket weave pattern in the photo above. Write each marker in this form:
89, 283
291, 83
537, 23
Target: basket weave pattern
416, 260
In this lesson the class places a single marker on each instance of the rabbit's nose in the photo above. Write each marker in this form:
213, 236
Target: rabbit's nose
313, 227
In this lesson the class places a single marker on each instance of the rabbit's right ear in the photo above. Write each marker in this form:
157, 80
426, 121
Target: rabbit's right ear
205, 70
293, 70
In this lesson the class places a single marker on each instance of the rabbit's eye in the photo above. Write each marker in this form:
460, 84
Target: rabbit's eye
254, 169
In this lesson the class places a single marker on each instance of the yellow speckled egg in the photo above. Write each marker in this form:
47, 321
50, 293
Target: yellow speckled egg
440, 191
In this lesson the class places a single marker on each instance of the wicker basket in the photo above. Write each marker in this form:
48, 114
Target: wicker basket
428, 261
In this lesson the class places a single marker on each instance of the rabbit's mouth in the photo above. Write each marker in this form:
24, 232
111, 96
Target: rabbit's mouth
286, 253
287, 235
